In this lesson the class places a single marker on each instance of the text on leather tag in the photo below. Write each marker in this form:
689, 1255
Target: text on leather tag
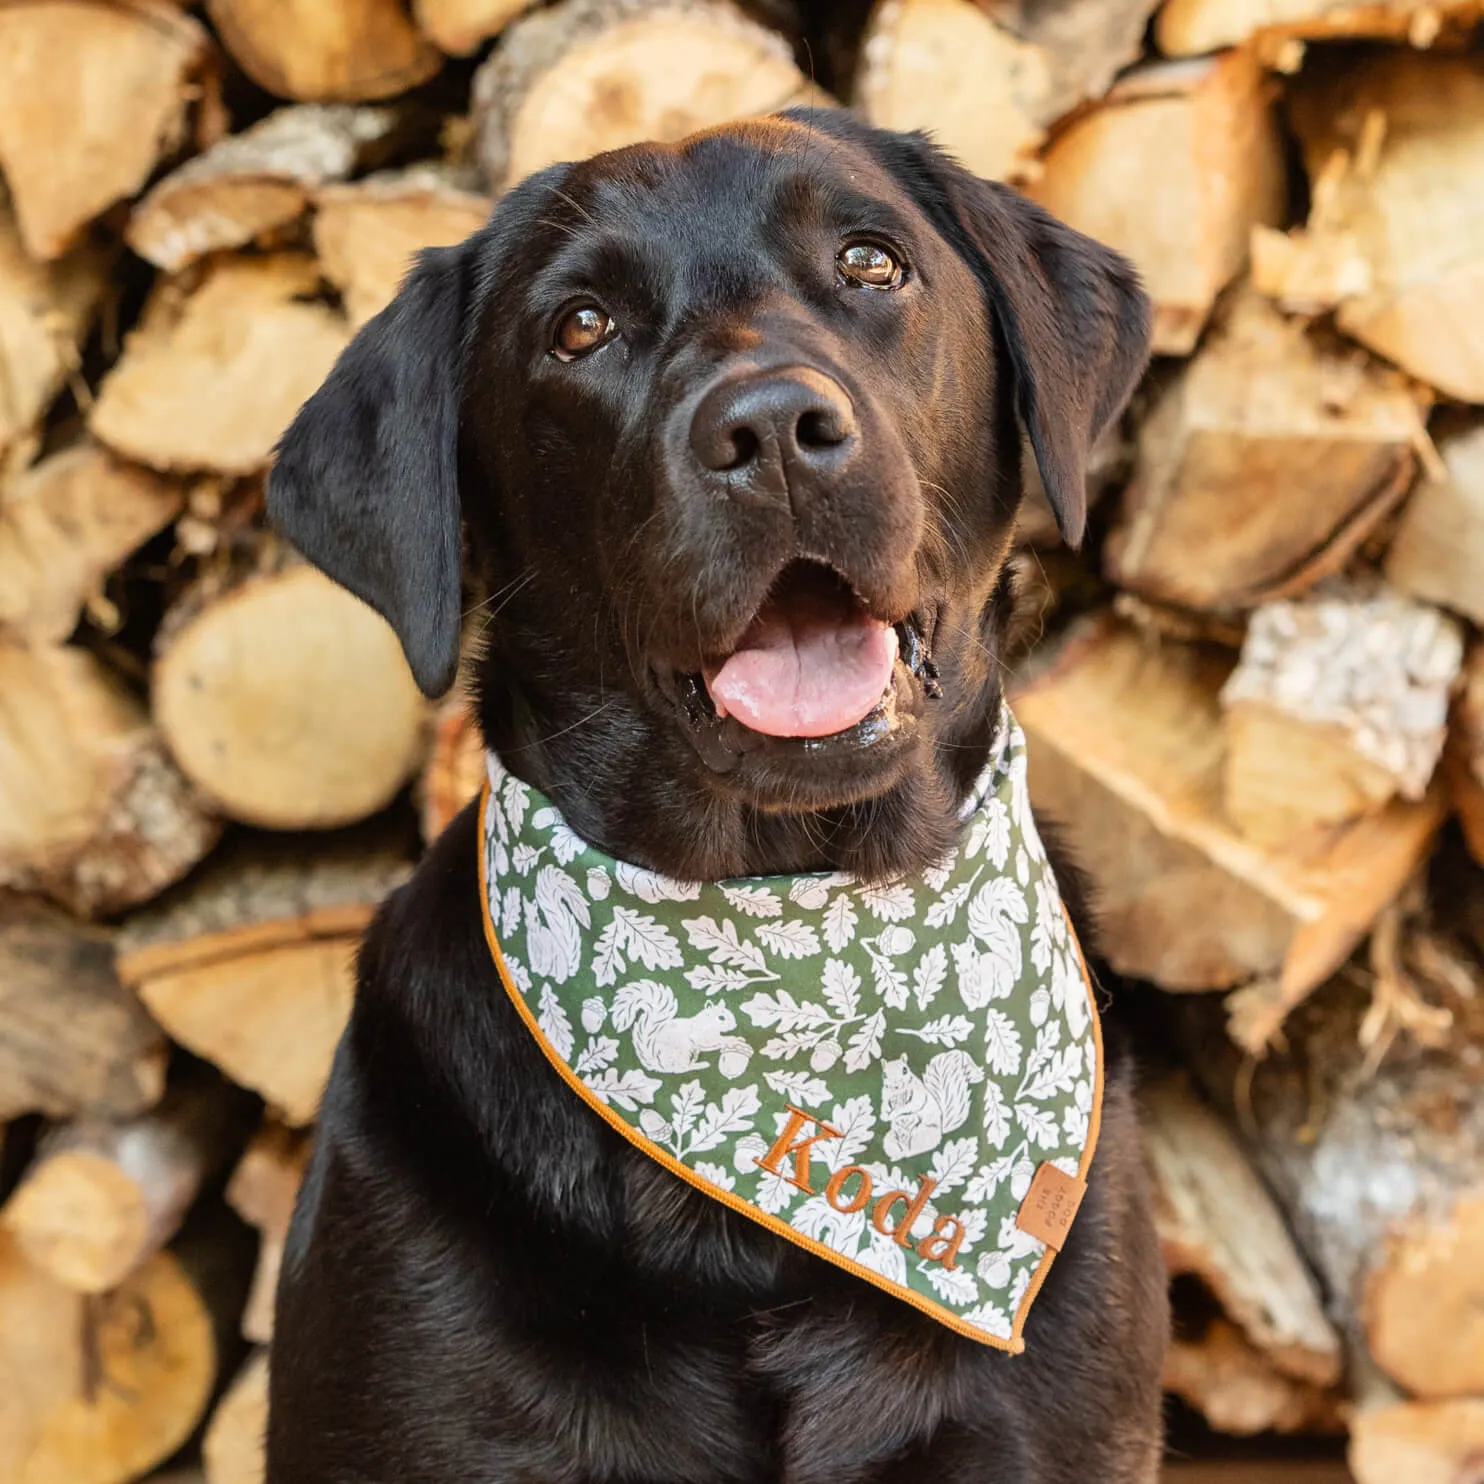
1050, 1205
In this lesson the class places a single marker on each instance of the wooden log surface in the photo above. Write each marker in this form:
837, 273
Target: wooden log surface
1464, 760
1408, 127
356, 51
286, 700
249, 184
64, 525
591, 75
102, 1197
92, 811
459, 26
987, 80
1437, 553
1127, 748
233, 1449
1338, 705
1240, 1392
45, 312
98, 1390
262, 1191
92, 97
1374, 1147
1185, 27
1219, 1224
72, 1038
219, 364
367, 233
1212, 519
249, 964
1174, 168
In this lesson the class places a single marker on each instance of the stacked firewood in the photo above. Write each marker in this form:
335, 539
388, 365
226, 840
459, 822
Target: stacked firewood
1256, 698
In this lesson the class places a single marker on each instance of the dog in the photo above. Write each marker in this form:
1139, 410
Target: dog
682, 399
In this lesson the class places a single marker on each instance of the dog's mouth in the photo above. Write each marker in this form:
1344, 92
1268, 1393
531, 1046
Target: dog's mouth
814, 672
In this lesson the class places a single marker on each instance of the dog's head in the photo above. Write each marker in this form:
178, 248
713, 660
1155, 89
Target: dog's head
734, 429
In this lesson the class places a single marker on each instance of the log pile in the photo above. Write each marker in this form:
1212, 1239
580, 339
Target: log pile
1255, 697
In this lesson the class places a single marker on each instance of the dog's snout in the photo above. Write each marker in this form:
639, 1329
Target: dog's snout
792, 418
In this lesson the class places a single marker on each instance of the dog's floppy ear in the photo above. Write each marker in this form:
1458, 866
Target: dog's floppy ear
366, 478
1074, 319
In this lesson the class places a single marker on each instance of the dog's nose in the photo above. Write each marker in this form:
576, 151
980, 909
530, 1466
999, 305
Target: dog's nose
793, 418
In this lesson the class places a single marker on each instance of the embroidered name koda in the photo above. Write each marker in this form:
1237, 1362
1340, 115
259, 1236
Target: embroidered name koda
903, 1077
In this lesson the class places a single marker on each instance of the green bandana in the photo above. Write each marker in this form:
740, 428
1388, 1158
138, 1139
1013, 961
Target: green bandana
904, 1078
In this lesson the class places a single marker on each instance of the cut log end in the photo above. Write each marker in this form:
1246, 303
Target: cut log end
91, 98
1339, 704
250, 964
1209, 520
1127, 751
250, 184
233, 1448
95, 816
1424, 1304
288, 702
355, 52
212, 376
99, 1389
596, 75
1196, 145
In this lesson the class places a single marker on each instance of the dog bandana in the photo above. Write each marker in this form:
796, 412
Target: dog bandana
903, 1077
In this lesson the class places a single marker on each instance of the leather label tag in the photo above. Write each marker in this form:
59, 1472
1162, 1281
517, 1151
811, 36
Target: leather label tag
1050, 1205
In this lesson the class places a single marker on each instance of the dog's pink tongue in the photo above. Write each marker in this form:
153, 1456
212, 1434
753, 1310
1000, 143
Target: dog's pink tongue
805, 671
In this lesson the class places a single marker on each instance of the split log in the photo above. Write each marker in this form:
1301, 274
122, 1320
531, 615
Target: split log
72, 1039
1087, 43
1239, 1391
1186, 27
1174, 168
250, 963
355, 51
1376, 1160
64, 525
1465, 753
104, 1197
944, 66
233, 1449
1402, 129
251, 184
1211, 519
987, 80
99, 1389
458, 26
1127, 749
214, 373
1438, 551
1339, 705
456, 766
262, 1191
285, 699
92, 811
1418, 1442
45, 312
592, 75
1218, 1223
92, 97
367, 234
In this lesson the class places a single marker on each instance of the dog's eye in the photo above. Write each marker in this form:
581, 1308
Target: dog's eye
868, 264
583, 329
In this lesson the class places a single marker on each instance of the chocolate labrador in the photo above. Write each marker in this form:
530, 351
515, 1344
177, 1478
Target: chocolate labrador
732, 428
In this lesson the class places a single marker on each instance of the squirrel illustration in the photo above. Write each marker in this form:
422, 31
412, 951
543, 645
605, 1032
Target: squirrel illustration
922, 1109
665, 1041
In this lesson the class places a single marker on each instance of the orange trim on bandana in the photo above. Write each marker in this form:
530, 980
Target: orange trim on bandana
1015, 1345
